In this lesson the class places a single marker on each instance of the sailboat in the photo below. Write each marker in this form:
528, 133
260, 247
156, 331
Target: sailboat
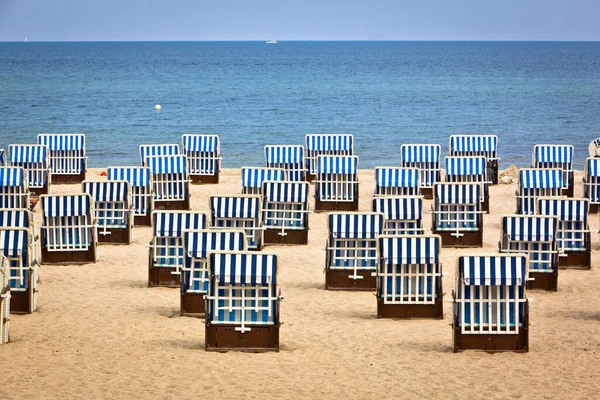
25, 39
272, 41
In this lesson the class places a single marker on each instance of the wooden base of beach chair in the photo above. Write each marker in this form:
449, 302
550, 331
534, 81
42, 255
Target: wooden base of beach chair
341, 280
172, 205
274, 236
39, 191
21, 302
469, 239
594, 208
205, 179
336, 205
543, 281
485, 205
69, 256
192, 304
116, 236
310, 178
68, 178
427, 193
143, 220
435, 310
257, 339
162, 277
575, 260
568, 192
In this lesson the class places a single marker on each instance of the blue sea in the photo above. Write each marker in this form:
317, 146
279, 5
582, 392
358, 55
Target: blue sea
253, 94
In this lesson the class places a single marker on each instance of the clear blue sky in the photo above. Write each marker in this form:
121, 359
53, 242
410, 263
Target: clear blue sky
67, 20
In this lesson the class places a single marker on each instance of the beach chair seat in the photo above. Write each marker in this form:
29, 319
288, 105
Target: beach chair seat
243, 302
554, 156
68, 158
166, 251
253, 178
140, 180
351, 251
35, 161
241, 212
425, 158
204, 157
535, 183
469, 169
171, 182
194, 271
113, 204
409, 277
14, 188
320, 144
285, 212
403, 214
457, 214
155, 150
290, 158
17, 245
591, 183
4, 301
392, 181
491, 310
336, 183
478, 146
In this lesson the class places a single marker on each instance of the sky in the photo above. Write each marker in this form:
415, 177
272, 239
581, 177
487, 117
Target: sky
133, 20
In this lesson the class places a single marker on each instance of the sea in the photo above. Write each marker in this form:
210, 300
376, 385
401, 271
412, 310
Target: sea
253, 94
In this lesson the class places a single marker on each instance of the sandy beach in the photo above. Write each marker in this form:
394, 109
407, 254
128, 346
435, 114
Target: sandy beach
100, 332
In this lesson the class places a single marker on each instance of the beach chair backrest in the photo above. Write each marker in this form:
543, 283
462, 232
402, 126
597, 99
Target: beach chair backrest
424, 157
393, 181
253, 178
337, 178
14, 190
140, 180
355, 225
554, 156
572, 213
326, 144
35, 160
287, 157
465, 169
153, 150
285, 205
203, 153
591, 182
16, 244
534, 183
474, 145
17, 218
239, 212
68, 222
170, 177
403, 214
457, 206
67, 152
112, 203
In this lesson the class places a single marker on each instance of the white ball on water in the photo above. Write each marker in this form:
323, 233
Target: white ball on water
157, 107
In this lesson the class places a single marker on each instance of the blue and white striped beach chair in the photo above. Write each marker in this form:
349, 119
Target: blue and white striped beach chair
573, 237
114, 210
534, 235
469, 169
69, 233
285, 212
351, 252
154, 150
68, 159
534, 183
2, 157
35, 161
194, 272
239, 212
393, 181
140, 180
403, 214
409, 277
242, 311
457, 214
171, 182
290, 158
556, 156
326, 144
165, 257
17, 245
4, 301
14, 190
336, 184
426, 158
591, 183
204, 157
16, 218
491, 310
253, 178
478, 146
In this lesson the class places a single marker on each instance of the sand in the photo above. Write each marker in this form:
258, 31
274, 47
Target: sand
100, 332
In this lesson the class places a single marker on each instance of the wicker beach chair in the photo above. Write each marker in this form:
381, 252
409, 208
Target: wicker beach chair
326, 144
140, 180
393, 181
425, 158
68, 159
478, 146
591, 183
336, 184
239, 212
171, 182
14, 189
17, 245
554, 156
469, 169
113, 203
35, 161
403, 214
154, 150
290, 158
204, 157
285, 212
253, 178
4, 301
534, 183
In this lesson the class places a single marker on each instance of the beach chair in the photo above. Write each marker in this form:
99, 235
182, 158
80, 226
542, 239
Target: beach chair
171, 182
17, 218
555, 156
35, 161
534, 183
336, 184
478, 146
290, 158
573, 236
326, 144
243, 302
403, 214
392, 181
4, 301
409, 277
114, 210
534, 235
154, 150
194, 271
491, 310
285, 212
68, 159
426, 158
239, 212
204, 157
2, 157
17, 245
591, 183
140, 180
457, 214
166, 252
253, 178
68, 233
351, 251
14, 189
469, 169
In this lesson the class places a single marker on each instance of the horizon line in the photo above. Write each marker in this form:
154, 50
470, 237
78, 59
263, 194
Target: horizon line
302, 40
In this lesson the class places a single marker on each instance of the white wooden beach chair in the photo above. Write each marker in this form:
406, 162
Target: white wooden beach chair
154, 150
253, 178
140, 180
17, 245
285, 212
534, 183
491, 310
113, 203
204, 157
478, 146
14, 189
68, 159
35, 161
336, 183
290, 158
426, 158
4, 301
403, 214
239, 212
393, 181
326, 144
469, 169
591, 183
243, 302
171, 182
556, 156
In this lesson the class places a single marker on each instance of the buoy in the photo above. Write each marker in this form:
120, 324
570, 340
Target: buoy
103, 173
157, 107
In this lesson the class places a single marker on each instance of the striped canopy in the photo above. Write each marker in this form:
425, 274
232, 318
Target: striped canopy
254, 177
531, 228
399, 208
327, 142
337, 165
167, 164
28, 153
11, 176
473, 143
75, 141
410, 249
593, 166
199, 243
235, 206
19, 218
553, 153
493, 269
150, 150
412, 153
136, 176
285, 192
367, 225
70, 205
532, 178
397, 177
566, 209
107, 191
173, 223
458, 193
465, 166
201, 143
291, 154
243, 268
